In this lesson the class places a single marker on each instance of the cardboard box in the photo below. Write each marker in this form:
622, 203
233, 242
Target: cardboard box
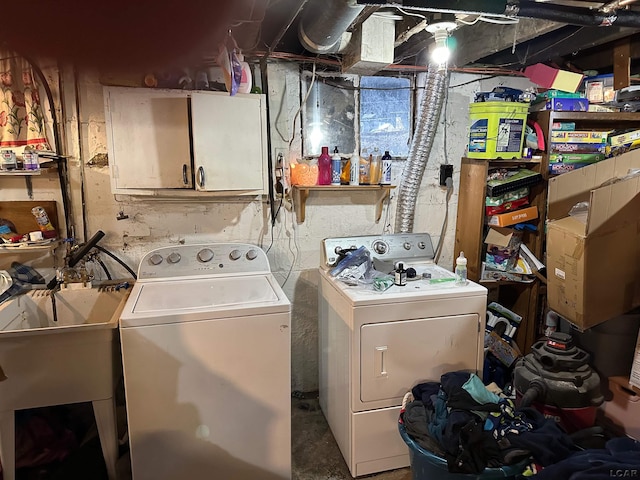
583, 158
624, 138
593, 268
503, 246
578, 147
559, 168
553, 78
511, 218
580, 136
634, 378
562, 105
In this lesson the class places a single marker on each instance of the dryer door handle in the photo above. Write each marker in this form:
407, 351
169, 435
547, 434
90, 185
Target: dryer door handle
380, 368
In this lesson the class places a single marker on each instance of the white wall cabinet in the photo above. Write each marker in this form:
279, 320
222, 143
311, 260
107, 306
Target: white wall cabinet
177, 142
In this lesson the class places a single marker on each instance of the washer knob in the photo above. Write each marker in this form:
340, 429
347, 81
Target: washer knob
155, 259
205, 255
407, 246
174, 257
235, 255
252, 254
380, 247
421, 245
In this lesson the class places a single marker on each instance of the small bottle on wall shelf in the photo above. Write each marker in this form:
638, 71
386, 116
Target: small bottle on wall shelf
324, 167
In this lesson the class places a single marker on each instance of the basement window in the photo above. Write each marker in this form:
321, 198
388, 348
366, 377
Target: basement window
385, 114
353, 113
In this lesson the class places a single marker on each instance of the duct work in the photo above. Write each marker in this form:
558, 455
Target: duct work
421, 143
323, 26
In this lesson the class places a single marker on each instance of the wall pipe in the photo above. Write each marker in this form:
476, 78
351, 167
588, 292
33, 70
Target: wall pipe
436, 83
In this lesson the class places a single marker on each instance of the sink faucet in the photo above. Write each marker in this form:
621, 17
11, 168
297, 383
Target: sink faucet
70, 274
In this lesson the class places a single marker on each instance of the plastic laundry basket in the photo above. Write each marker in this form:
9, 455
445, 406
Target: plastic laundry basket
427, 466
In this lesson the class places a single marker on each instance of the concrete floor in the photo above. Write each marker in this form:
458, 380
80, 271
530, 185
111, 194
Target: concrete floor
315, 454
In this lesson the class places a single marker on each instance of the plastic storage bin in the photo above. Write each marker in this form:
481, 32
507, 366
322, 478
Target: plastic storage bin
496, 129
427, 466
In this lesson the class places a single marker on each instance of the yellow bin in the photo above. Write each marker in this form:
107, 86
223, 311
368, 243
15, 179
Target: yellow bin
496, 129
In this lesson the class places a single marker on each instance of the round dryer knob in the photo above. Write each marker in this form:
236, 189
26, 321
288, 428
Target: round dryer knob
407, 246
235, 255
252, 254
155, 259
205, 255
380, 247
174, 257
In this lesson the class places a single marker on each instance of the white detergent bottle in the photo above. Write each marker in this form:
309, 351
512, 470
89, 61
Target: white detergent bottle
354, 178
461, 270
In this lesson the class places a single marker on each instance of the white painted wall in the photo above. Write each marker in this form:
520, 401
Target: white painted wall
293, 249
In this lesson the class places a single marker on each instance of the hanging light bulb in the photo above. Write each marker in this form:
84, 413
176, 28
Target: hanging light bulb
441, 53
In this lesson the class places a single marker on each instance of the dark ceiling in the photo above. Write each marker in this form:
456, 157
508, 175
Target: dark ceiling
578, 35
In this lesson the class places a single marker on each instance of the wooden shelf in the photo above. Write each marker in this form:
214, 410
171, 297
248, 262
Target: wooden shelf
29, 247
301, 193
20, 173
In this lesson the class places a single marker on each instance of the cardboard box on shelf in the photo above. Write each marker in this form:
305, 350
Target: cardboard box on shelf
593, 268
511, 218
562, 105
579, 136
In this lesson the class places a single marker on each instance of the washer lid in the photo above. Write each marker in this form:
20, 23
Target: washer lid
160, 302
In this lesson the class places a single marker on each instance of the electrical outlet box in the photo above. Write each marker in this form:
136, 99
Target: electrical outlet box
446, 171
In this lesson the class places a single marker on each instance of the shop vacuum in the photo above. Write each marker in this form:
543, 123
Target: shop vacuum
556, 379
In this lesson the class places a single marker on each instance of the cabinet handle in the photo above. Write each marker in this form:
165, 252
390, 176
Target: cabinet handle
185, 180
200, 177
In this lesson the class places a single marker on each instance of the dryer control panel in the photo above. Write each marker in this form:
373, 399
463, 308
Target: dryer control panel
388, 248
203, 259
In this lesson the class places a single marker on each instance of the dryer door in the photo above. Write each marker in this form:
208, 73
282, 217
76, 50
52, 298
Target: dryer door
395, 356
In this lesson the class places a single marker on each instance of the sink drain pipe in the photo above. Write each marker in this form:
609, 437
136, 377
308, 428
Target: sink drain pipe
436, 83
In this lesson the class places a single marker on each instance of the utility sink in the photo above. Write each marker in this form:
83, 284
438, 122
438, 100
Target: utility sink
62, 355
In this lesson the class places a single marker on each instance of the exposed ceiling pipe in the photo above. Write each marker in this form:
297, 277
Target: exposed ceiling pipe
323, 26
576, 15
528, 9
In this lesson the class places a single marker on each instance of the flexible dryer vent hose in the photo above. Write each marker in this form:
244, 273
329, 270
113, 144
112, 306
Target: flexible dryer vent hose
426, 125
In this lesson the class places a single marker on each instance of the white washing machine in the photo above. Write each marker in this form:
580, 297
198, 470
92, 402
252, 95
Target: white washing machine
206, 352
375, 347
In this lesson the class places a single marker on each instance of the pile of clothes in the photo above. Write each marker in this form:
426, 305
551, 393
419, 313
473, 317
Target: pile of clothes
473, 427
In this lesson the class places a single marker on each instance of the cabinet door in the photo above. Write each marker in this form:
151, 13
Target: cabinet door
148, 138
229, 142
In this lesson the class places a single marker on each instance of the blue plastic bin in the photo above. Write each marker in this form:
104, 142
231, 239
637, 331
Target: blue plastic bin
427, 466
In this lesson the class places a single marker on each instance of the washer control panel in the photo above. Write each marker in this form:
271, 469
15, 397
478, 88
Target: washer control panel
388, 248
203, 259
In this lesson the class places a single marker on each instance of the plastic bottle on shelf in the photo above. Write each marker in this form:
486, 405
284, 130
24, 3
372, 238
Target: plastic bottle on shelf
375, 168
365, 164
385, 176
354, 177
324, 167
461, 270
336, 167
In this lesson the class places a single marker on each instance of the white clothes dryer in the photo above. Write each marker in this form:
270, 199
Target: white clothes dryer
206, 352
374, 347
